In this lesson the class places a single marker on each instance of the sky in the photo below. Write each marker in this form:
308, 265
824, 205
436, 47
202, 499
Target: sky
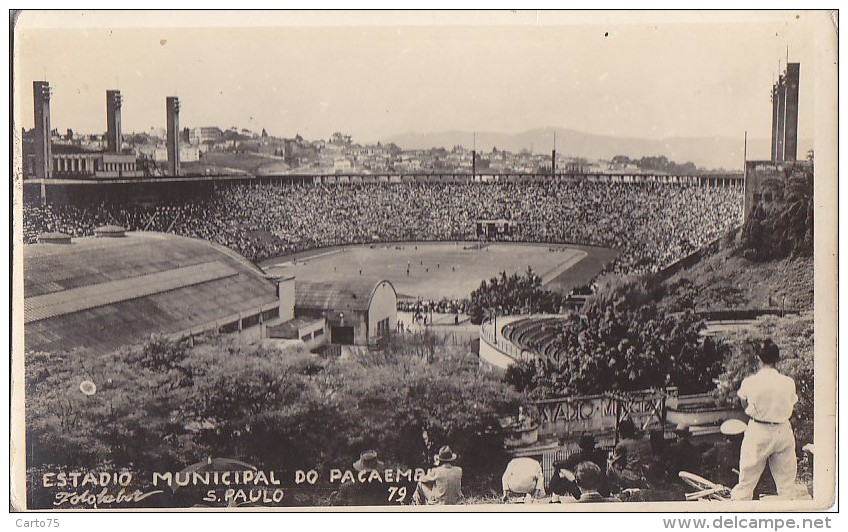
373, 75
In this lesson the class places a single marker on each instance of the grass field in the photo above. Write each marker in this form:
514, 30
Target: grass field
445, 269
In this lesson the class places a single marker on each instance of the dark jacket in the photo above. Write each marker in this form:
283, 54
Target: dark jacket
631, 463
361, 494
562, 486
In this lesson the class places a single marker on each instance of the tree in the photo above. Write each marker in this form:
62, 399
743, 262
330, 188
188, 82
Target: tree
513, 295
784, 228
129, 420
612, 347
163, 405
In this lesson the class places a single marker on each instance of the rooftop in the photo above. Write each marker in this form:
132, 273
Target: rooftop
350, 294
290, 329
102, 293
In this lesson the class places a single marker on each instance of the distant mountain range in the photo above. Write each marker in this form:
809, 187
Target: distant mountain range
705, 152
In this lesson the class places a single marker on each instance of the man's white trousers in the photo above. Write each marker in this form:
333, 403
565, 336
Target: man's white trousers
772, 444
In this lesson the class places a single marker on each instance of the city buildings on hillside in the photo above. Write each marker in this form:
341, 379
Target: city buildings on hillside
163, 152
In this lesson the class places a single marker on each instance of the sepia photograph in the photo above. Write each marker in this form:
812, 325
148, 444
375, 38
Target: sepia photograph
416, 261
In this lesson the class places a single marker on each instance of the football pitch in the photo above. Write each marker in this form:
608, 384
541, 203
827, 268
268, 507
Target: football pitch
433, 270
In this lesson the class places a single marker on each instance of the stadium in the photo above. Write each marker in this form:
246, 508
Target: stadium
296, 268
422, 237
428, 240
182, 319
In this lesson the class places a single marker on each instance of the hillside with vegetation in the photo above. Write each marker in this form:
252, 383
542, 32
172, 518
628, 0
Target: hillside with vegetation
724, 279
164, 405
642, 332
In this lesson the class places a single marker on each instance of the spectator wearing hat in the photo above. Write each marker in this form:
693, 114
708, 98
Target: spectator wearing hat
443, 483
523, 476
362, 491
563, 480
768, 398
590, 478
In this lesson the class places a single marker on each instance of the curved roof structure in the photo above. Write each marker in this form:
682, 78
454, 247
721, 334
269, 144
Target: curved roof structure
102, 293
350, 294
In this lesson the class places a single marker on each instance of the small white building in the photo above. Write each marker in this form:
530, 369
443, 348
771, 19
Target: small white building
358, 311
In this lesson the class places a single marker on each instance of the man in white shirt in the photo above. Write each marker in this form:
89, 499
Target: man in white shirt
768, 398
523, 476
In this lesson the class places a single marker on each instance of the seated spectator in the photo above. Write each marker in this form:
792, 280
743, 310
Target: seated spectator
628, 467
443, 483
362, 493
523, 476
682, 455
562, 481
721, 462
590, 478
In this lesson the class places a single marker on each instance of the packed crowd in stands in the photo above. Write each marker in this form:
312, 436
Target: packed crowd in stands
650, 224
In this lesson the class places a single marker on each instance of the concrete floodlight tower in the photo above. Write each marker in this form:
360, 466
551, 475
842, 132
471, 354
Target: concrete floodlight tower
784, 123
43, 150
775, 110
172, 108
114, 101
780, 125
553, 157
790, 121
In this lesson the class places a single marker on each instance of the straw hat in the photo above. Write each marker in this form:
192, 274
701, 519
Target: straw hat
367, 461
445, 455
733, 427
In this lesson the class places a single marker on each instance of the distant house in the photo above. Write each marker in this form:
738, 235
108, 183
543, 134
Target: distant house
341, 164
201, 135
189, 153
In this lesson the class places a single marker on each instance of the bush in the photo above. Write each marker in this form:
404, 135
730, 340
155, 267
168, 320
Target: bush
163, 405
613, 347
513, 295
782, 229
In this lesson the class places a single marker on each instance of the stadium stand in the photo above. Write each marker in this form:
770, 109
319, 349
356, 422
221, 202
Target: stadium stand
652, 225
101, 292
532, 333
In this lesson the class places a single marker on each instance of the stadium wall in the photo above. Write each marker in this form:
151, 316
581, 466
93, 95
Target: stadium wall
492, 358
